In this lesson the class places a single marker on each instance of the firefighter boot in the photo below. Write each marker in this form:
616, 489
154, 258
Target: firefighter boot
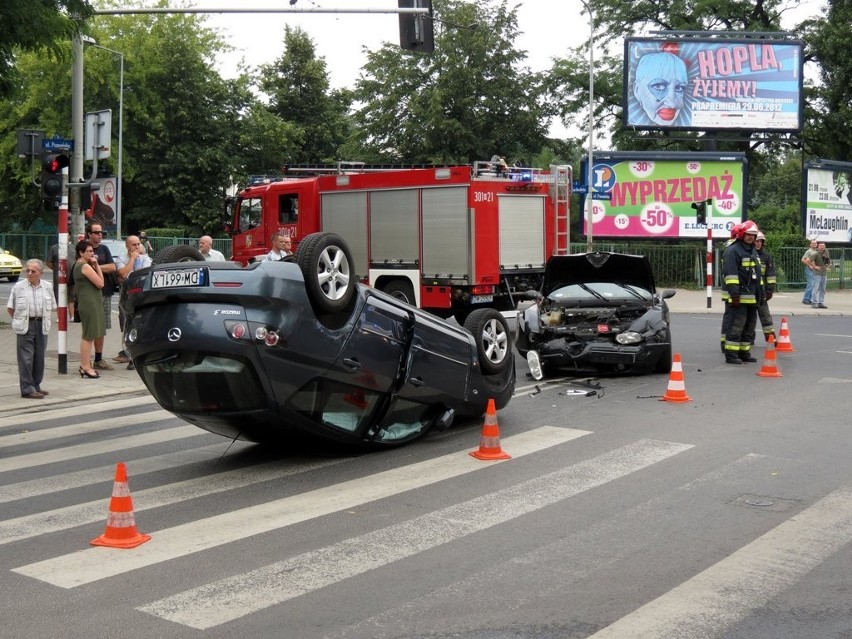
745, 356
731, 358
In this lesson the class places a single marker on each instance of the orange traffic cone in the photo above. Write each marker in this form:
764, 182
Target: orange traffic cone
121, 529
489, 442
676, 391
784, 344
770, 363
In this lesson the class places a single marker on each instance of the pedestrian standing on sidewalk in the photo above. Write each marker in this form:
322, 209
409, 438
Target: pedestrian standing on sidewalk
133, 258
821, 262
90, 281
31, 305
809, 272
94, 235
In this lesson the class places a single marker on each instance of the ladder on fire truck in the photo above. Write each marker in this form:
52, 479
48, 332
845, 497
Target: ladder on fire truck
561, 193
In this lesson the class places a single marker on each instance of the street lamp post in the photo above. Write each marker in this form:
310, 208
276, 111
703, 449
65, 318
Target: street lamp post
590, 191
118, 186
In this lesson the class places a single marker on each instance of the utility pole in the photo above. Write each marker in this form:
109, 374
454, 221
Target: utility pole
76, 173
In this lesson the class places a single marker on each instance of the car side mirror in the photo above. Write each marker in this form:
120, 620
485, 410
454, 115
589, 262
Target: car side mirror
668, 293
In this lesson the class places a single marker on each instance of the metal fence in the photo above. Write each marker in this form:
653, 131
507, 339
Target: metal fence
679, 266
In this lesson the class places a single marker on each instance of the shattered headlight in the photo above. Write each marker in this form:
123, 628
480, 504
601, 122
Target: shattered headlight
628, 337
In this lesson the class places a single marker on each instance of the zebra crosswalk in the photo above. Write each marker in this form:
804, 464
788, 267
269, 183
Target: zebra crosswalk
54, 484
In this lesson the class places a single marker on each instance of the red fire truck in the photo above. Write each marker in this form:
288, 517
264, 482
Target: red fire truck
446, 239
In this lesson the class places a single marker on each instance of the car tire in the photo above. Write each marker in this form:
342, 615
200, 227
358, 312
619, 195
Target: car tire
493, 340
13, 278
177, 253
326, 264
401, 290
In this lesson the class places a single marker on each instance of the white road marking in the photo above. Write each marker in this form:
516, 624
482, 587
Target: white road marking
74, 411
83, 427
98, 448
102, 474
93, 564
730, 590
165, 495
234, 597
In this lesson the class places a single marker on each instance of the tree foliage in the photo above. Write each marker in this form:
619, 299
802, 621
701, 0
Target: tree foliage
33, 25
469, 99
189, 133
297, 86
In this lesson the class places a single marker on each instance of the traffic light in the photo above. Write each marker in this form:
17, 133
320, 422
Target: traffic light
416, 30
701, 211
51, 174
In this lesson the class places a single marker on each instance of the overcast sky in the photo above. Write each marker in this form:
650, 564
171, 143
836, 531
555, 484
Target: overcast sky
549, 29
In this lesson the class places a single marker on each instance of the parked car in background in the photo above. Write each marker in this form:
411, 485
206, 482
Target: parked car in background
598, 312
10, 266
298, 346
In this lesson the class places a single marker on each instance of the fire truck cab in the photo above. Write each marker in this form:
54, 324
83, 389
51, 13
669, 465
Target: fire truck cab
446, 239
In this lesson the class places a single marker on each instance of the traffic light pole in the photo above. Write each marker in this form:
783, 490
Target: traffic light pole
77, 121
62, 257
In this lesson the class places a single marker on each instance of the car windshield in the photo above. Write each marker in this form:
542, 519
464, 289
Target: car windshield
600, 291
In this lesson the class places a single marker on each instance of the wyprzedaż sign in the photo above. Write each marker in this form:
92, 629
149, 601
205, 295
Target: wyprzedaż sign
713, 84
827, 214
651, 194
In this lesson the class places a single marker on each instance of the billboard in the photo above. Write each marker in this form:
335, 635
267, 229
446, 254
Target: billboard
713, 84
827, 210
649, 195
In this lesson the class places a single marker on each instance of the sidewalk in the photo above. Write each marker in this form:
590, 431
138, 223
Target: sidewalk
69, 389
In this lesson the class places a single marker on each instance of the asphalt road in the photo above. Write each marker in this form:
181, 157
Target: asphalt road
619, 515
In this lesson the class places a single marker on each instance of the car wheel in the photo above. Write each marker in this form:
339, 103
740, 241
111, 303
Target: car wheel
401, 290
493, 343
12, 278
326, 265
177, 253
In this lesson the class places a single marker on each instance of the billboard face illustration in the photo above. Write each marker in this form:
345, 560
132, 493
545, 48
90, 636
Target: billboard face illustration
652, 196
713, 84
828, 202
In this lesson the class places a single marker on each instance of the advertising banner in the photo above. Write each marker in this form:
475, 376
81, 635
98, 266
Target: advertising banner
828, 201
650, 195
713, 84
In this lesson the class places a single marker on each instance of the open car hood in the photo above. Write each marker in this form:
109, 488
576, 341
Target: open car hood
584, 268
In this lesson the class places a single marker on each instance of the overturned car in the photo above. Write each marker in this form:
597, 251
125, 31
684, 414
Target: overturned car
596, 312
298, 346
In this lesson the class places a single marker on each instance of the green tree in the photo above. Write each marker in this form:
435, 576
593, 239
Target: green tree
828, 133
181, 119
469, 99
297, 87
34, 25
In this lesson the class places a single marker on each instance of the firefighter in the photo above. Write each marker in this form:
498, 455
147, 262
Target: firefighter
726, 316
743, 284
769, 281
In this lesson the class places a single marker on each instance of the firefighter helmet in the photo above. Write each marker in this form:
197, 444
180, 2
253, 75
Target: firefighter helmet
760, 236
747, 227
735, 231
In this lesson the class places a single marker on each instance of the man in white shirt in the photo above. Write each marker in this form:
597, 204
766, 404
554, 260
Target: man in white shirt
205, 245
282, 246
133, 258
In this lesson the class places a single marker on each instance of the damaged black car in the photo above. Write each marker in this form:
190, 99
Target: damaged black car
300, 346
596, 312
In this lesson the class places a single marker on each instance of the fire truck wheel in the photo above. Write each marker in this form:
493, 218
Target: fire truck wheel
178, 253
493, 341
326, 265
401, 290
